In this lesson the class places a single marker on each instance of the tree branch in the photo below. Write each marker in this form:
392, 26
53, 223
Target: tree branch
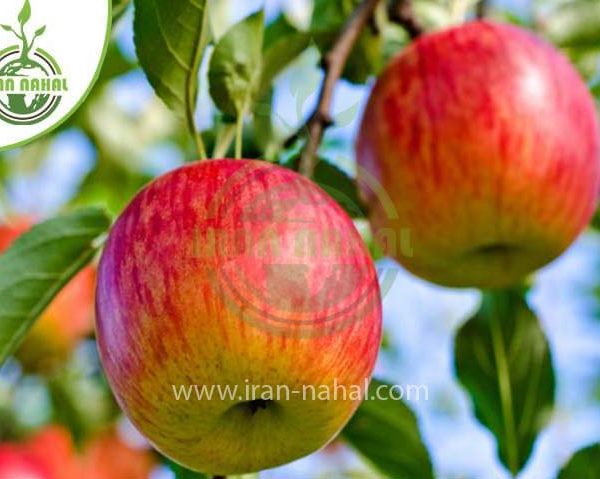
483, 9
333, 65
402, 13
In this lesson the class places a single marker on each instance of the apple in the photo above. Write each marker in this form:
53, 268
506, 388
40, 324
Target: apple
49, 454
14, 464
67, 320
482, 142
237, 274
53, 448
108, 456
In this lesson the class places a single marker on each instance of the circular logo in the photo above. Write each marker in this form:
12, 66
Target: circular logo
30, 88
50, 56
288, 261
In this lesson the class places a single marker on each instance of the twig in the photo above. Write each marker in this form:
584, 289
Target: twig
483, 9
401, 12
333, 65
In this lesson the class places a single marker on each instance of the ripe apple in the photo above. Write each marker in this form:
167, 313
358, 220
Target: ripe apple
482, 141
107, 456
14, 464
49, 454
68, 319
245, 275
53, 448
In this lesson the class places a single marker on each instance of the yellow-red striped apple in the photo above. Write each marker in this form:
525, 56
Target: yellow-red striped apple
237, 274
485, 141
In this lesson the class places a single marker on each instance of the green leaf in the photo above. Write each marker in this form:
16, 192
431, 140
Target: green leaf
583, 465
40, 31
119, 7
336, 182
503, 360
329, 17
283, 44
38, 264
25, 13
8, 28
236, 66
386, 432
183, 473
341, 187
171, 38
575, 24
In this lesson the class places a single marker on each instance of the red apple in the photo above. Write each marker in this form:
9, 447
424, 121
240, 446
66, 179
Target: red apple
482, 142
245, 275
68, 319
49, 454
107, 456
14, 464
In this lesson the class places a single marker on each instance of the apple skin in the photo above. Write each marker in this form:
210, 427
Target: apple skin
67, 320
49, 454
486, 141
176, 307
14, 464
107, 456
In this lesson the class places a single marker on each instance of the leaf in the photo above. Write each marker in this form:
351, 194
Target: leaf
181, 472
236, 65
283, 44
119, 7
25, 13
329, 17
40, 31
575, 24
503, 360
336, 182
36, 267
8, 28
583, 465
171, 38
386, 432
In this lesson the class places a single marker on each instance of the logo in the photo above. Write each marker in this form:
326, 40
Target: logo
278, 249
31, 81
49, 58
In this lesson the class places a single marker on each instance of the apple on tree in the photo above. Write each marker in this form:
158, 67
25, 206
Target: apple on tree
486, 140
237, 273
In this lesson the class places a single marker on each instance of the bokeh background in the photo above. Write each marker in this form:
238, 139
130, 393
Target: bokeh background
124, 136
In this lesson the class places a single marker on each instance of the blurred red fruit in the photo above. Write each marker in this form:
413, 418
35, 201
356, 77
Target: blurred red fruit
47, 455
109, 457
15, 464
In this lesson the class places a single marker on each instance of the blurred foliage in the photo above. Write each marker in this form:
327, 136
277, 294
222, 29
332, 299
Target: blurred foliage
583, 465
387, 433
503, 360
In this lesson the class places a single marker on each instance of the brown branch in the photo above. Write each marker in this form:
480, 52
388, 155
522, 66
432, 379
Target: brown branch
333, 65
483, 9
402, 13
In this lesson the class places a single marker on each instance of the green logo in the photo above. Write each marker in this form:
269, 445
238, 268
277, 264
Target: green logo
31, 81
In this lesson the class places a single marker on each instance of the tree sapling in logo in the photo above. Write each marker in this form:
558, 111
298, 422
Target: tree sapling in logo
50, 56
31, 81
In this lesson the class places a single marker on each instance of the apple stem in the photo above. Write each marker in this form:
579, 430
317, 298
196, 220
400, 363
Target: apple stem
334, 62
483, 9
402, 13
